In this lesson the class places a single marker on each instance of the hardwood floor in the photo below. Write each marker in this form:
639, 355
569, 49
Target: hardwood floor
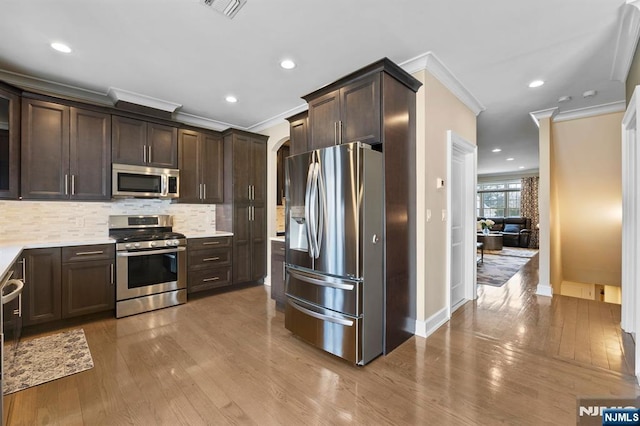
510, 357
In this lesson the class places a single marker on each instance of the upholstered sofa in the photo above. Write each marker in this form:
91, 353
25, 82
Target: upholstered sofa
515, 231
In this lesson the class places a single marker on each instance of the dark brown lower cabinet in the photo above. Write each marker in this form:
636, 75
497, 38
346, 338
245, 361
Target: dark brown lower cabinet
209, 263
67, 282
277, 273
41, 301
88, 280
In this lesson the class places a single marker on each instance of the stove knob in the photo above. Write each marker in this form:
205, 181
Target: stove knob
176, 242
168, 243
128, 245
152, 244
136, 245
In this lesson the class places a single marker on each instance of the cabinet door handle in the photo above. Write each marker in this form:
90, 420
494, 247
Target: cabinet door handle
212, 243
88, 253
204, 191
144, 154
335, 133
66, 184
340, 131
253, 214
211, 279
210, 259
24, 269
112, 274
249, 191
73, 184
149, 156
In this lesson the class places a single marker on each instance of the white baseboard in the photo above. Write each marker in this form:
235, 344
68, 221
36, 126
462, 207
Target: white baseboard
434, 322
544, 290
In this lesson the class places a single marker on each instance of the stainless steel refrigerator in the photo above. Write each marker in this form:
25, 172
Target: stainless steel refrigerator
335, 250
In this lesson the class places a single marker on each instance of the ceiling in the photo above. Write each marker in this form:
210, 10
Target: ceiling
184, 52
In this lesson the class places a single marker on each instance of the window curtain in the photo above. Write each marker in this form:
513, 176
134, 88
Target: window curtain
529, 206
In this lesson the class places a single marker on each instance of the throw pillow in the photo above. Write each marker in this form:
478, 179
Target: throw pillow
511, 228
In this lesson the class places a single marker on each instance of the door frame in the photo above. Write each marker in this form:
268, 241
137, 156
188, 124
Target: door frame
455, 143
631, 222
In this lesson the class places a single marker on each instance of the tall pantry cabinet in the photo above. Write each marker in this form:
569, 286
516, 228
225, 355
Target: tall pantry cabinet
244, 208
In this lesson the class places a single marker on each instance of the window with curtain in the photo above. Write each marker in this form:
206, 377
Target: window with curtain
498, 199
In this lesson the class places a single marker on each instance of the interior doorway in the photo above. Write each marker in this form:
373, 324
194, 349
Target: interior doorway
460, 185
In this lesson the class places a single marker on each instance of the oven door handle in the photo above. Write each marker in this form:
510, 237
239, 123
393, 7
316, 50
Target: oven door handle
149, 252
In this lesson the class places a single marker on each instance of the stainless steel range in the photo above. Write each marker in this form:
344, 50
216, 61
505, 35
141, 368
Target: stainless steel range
151, 264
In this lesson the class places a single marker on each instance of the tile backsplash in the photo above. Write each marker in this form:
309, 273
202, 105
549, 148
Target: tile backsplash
44, 221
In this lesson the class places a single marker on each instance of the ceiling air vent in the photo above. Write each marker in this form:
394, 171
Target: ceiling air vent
228, 8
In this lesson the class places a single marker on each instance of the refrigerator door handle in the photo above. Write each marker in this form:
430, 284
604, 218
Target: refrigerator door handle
322, 317
307, 209
314, 211
327, 282
322, 203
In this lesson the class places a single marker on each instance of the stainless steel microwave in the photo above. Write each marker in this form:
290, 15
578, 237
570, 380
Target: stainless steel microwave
145, 182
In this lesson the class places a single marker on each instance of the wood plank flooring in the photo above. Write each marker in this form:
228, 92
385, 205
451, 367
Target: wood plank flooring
510, 357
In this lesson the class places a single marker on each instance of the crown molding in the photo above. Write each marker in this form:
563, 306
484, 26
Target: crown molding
116, 95
430, 62
198, 121
591, 111
628, 34
536, 116
49, 87
270, 122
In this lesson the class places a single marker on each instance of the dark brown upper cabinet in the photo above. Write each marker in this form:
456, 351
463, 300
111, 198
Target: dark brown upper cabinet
348, 114
144, 143
299, 133
9, 143
66, 152
201, 164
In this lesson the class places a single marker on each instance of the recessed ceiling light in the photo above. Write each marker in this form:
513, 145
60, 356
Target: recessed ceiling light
288, 64
521, 167
564, 99
496, 150
589, 93
61, 47
536, 83
231, 99
510, 159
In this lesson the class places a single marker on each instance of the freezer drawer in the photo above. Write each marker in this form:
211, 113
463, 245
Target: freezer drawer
325, 329
337, 294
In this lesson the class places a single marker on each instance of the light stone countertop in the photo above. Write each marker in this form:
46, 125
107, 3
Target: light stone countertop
208, 234
9, 253
278, 238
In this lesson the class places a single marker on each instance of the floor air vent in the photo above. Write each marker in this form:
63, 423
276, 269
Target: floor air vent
228, 8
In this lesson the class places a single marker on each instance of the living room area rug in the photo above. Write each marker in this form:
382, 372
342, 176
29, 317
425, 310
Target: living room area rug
46, 358
497, 269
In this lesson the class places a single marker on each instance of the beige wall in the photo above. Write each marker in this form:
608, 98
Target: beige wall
586, 170
442, 111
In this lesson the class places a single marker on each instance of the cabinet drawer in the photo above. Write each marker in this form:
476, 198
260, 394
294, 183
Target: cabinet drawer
208, 278
208, 243
204, 259
82, 253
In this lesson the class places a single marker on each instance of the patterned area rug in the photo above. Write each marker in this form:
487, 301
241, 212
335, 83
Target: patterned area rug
47, 358
497, 269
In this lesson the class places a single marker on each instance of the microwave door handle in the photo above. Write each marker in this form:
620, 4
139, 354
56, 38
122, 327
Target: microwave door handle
165, 185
